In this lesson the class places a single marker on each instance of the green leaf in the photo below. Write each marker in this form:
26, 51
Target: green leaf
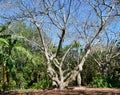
2, 40
24, 51
0, 28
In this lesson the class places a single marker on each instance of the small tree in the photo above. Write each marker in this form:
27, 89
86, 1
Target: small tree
9, 44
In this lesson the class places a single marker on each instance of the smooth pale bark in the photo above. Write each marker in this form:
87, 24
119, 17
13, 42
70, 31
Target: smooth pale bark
79, 79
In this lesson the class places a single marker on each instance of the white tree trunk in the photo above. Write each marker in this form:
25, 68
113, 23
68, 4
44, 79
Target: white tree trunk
79, 79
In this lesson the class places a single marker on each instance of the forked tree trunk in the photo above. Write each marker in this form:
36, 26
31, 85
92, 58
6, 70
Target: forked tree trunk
62, 85
57, 76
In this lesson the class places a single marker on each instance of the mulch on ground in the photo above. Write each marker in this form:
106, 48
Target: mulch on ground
74, 91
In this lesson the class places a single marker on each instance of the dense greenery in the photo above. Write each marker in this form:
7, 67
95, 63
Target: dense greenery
24, 61
109, 76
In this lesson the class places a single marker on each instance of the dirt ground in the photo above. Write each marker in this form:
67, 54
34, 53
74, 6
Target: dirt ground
70, 91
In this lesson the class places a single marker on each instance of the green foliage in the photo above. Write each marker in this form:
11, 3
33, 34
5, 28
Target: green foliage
2, 40
99, 81
22, 66
90, 70
21, 83
114, 82
104, 82
24, 51
11, 85
43, 84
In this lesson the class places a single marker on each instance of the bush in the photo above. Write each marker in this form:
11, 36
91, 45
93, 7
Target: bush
114, 82
12, 84
99, 81
43, 84
105, 82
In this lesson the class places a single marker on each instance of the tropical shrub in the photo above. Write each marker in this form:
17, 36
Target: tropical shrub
43, 84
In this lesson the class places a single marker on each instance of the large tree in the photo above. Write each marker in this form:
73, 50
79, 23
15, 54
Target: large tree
66, 22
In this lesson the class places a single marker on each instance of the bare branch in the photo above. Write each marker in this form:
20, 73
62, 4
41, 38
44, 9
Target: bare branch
99, 63
56, 63
99, 29
60, 42
65, 54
